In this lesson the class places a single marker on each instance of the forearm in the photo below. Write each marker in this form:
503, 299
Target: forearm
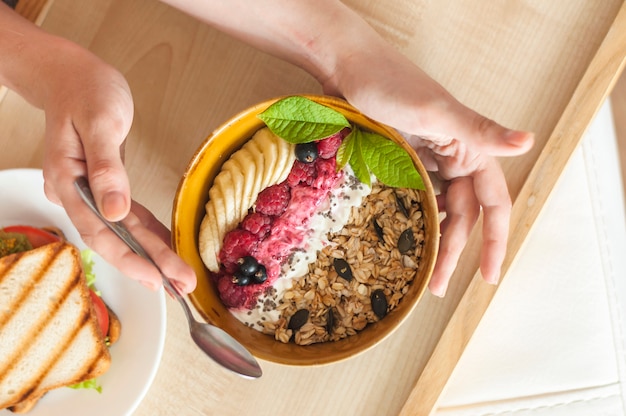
35, 63
316, 35
21, 44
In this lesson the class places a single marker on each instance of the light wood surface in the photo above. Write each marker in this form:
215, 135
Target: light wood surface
34, 10
530, 64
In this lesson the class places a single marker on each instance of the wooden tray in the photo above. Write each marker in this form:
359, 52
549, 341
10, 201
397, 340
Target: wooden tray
592, 89
529, 64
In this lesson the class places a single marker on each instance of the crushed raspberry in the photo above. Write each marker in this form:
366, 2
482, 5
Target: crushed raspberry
231, 294
326, 173
258, 224
327, 148
269, 233
237, 244
273, 200
301, 172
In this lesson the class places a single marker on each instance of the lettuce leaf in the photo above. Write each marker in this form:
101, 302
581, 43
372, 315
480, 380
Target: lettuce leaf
88, 263
88, 384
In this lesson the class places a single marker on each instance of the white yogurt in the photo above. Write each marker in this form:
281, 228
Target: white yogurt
331, 217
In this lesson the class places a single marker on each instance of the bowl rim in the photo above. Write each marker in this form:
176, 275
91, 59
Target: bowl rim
344, 348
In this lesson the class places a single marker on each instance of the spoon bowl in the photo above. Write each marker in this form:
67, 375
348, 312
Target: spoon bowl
214, 341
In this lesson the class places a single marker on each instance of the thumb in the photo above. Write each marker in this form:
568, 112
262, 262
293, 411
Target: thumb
108, 180
484, 134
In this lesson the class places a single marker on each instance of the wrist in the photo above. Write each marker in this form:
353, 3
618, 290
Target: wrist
338, 54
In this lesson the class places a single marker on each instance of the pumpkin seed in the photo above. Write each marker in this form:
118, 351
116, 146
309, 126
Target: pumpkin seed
379, 303
406, 241
401, 206
298, 319
330, 321
379, 230
343, 269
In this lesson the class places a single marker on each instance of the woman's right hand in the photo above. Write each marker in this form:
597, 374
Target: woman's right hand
89, 111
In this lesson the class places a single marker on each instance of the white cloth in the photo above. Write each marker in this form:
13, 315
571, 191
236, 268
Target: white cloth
553, 340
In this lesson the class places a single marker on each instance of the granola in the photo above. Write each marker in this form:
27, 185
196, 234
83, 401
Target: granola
379, 263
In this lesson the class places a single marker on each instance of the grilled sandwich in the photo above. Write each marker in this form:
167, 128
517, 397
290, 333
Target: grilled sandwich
49, 333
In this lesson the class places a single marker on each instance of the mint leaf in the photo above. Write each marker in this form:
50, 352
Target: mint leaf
389, 162
357, 162
344, 153
300, 120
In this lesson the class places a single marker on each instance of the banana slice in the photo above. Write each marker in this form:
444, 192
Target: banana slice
224, 183
245, 164
217, 198
208, 238
287, 155
259, 162
234, 180
264, 160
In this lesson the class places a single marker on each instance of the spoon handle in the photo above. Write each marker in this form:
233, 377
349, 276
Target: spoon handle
82, 185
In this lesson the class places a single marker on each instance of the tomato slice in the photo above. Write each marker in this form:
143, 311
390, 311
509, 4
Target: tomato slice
101, 312
36, 236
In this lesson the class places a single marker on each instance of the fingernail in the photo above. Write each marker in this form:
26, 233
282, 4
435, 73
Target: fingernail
440, 292
493, 279
517, 138
114, 206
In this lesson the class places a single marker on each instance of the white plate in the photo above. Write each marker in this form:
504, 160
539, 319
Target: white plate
136, 356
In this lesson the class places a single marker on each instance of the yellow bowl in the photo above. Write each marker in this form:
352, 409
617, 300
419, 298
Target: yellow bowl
188, 212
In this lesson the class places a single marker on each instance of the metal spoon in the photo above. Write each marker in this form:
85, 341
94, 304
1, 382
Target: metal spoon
214, 341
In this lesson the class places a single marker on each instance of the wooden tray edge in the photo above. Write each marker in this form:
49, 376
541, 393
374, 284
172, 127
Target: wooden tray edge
593, 88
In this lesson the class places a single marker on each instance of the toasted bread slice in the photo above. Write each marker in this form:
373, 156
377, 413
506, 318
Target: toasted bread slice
48, 326
26, 406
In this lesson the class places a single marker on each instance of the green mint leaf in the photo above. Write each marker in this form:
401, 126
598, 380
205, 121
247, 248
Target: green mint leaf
300, 120
344, 153
389, 162
357, 162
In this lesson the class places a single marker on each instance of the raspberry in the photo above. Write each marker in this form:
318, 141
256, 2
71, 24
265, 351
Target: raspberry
301, 172
327, 173
327, 147
237, 244
258, 224
235, 296
273, 200
232, 295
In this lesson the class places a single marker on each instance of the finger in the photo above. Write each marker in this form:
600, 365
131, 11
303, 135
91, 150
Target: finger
492, 194
170, 264
150, 222
106, 173
98, 237
485, 135
426, 157
462, 211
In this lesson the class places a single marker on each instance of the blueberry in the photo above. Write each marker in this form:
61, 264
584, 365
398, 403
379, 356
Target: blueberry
260, 275
240, 279
306, 152
248, 265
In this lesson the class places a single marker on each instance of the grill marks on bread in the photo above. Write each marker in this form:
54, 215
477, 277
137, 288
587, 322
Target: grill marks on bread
25, 289
49, 332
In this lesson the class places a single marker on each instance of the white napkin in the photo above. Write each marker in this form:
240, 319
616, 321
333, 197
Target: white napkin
553, 340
